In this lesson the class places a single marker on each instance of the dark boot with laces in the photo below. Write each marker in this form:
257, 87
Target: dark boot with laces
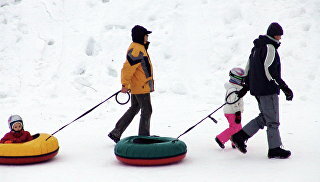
113, 137
220, 143
239, 139
278, 153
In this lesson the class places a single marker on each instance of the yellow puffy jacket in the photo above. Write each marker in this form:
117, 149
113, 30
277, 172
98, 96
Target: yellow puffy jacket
137, 73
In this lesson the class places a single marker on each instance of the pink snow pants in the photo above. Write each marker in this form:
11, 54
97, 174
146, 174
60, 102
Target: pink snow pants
233, 128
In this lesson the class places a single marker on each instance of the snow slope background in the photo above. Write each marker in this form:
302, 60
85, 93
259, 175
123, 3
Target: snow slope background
60, 58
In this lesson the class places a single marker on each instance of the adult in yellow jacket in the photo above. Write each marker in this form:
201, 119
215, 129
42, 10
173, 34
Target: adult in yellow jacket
137, 76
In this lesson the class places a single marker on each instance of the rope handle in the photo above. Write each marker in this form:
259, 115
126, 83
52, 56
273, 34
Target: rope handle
209, 116
87, 112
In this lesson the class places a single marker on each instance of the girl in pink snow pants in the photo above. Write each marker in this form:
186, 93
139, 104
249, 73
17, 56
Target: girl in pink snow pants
232, 111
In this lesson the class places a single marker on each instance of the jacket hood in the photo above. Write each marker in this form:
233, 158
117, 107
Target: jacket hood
138, 32
264, 40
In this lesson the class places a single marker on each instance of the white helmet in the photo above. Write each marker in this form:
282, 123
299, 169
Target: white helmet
14, 119
236, 75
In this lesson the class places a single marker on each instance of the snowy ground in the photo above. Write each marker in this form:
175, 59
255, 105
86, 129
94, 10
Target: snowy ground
60, 58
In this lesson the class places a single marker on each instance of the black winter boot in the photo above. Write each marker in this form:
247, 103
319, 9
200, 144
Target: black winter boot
219, 143
113, 137
278, 153
239, 139
233, 146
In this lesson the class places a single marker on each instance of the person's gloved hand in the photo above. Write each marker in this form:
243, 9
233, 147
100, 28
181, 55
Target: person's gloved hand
124, 89
242, 92
287, 91
238, 117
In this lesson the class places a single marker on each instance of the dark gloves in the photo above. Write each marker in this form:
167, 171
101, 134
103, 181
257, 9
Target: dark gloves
243, 91
287, 91
238, 117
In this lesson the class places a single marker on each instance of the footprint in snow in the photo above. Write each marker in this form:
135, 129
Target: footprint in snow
50, 42
112, 72
92, 48
114, 27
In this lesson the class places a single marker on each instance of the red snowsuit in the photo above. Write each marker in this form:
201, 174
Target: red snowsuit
16, 137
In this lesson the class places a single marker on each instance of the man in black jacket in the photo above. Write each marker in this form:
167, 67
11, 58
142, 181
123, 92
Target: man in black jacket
263, 79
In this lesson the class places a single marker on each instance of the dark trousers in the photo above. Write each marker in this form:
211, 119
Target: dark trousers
138, 102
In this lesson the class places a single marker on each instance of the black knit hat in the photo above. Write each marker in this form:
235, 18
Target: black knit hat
274, 29
138, 32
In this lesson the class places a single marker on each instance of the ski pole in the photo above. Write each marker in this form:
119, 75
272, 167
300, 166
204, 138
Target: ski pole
209, 116
116, 97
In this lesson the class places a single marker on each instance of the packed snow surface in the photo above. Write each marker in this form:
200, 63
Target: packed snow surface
59, 58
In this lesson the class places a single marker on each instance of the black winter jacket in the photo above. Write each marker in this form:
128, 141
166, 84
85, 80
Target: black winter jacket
264, 68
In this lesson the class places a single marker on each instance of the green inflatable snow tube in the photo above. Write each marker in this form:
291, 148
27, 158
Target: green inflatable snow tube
150, 150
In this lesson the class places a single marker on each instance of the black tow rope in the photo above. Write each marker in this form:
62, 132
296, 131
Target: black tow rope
115, 94
209, 116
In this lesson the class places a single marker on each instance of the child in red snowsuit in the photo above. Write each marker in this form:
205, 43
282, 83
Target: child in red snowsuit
17, 133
